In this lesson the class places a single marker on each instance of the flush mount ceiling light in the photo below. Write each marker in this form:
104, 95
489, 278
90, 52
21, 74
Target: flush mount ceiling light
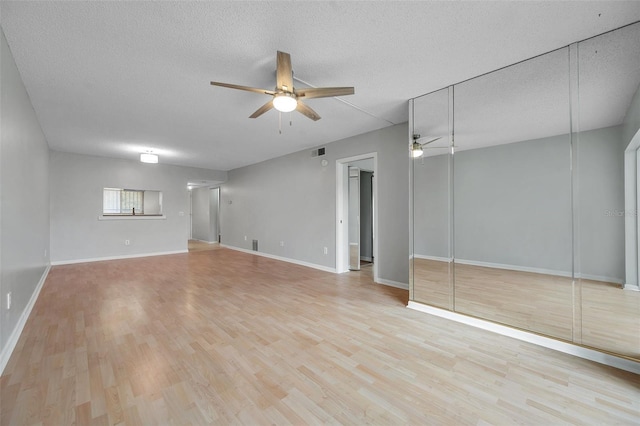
148, 157
285, 102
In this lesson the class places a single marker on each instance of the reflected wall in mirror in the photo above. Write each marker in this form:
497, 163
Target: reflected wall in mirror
512, 196
607, 153
432, 257
537, 207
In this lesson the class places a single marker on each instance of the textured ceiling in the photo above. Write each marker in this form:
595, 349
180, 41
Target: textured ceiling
115, 78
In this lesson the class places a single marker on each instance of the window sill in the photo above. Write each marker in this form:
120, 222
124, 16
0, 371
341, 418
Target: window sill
131, 217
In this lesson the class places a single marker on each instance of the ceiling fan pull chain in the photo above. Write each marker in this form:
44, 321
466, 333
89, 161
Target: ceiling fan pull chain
290, 119
280, 122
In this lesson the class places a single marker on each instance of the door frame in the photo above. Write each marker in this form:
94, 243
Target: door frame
342, 212
354, 173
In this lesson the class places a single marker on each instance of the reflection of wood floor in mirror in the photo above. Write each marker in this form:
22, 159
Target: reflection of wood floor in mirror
609, 316
432, 284
537, 302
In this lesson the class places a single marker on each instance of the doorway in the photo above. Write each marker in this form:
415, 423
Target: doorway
356, 213
205, 206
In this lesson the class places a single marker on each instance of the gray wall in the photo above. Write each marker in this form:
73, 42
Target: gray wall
293, 199
24, 195
76, 203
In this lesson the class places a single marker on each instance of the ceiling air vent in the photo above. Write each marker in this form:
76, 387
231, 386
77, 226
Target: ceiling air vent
317, 152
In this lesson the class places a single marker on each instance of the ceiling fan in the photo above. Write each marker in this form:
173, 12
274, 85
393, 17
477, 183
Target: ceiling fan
417, 148
285, 97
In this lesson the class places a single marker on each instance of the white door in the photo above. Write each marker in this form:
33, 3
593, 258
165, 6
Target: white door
354, 218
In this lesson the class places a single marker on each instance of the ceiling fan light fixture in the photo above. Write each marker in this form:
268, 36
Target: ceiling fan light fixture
285, 102
148, 157
416, 150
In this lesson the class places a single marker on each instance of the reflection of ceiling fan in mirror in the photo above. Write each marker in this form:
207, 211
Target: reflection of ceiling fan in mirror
285, 97
417, 148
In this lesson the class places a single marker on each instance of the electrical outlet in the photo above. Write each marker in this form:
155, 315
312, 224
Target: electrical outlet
9, 300
245, 238
127, 242
326, 250
281, 243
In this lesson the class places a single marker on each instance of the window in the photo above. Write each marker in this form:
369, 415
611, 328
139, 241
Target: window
131, 202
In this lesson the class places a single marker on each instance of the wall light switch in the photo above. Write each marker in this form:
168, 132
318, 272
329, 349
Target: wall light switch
281, 243
9, 300
326, 250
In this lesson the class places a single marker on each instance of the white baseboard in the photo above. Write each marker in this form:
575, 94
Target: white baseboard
126, 256
283, 259
390, 283
618, 281
382, 281
547, 342
631, 287
514, 267
17, 330
436, 258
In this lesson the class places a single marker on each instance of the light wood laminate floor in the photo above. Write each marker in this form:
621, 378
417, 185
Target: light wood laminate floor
593, 313
225, 337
